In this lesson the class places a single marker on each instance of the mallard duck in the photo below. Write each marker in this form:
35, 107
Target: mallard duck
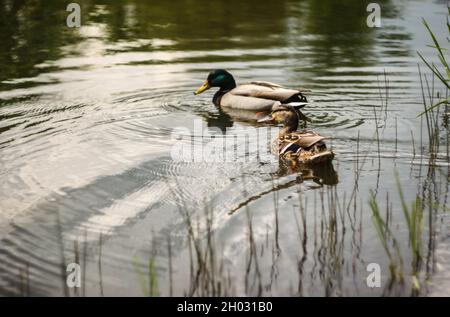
255, 96
305, 147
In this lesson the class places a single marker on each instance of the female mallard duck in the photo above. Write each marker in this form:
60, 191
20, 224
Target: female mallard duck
254, 96
305, 147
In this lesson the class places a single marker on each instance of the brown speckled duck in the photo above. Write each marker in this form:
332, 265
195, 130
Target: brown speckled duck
304, 147
255, 96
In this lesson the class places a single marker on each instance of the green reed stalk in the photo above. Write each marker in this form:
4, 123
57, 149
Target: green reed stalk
443, 76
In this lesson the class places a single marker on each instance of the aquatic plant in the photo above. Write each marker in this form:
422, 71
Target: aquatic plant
442, 74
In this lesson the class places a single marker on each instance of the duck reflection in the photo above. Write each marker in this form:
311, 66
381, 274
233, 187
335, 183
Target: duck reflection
225, 118
321, 174
220, 120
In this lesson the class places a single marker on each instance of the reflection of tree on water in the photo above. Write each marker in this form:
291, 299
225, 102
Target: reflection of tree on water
339, 29
338, 35
341, 33
31, 32
321, 174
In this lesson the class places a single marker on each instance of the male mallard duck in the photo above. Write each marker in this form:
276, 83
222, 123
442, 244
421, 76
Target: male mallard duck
306, 147
254, 96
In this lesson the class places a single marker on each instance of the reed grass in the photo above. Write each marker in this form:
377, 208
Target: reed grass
413, 217
442, 72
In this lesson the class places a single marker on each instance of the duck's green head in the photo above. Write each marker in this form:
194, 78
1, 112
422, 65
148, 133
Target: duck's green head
217, 78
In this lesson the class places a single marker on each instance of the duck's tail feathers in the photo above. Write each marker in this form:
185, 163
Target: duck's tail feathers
296, 98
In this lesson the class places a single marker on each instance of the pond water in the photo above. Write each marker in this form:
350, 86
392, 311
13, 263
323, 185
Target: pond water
86, 134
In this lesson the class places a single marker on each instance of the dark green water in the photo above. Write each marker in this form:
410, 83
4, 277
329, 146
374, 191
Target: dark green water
86, 116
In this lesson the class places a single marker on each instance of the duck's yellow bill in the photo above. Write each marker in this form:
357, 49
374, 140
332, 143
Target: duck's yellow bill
203, 87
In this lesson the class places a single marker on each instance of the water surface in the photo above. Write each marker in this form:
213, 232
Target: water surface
86, 118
